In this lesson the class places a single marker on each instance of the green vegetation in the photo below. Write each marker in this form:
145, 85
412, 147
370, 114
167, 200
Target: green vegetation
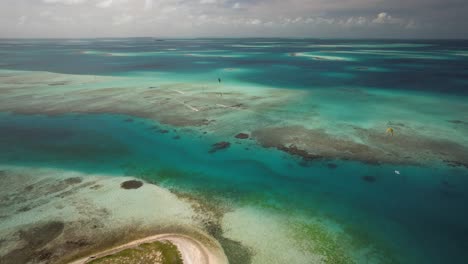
147, 253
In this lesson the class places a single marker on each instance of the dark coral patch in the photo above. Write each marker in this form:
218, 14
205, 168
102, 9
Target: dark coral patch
454, 163
293, 150
332, 166
369, 178
242, 136
361, 68
73, 180
219, 146
456, 121
132, 184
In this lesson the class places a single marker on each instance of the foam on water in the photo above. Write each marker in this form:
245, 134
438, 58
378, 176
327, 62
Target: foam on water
323, 56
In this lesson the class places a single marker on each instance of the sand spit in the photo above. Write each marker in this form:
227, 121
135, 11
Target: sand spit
321, 123
57, 216
191, 250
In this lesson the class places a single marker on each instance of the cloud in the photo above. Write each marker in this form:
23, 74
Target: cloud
255, 21
22, 20
384, 18
232, 18
122, 19
208, 2
148, 4
356, 21
104, 4
65, 2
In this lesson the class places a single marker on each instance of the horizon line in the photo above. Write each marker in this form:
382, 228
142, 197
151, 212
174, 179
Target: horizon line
270, 37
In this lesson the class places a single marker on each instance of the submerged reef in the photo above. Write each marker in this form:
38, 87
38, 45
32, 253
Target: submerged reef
219, 146
369, 178
379, 148
293, 121
242, 136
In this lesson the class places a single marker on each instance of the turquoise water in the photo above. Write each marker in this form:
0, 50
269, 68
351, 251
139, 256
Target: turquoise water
417, 216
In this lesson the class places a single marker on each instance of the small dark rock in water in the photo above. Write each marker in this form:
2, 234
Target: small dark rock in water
242, 136
128, 120
449, 193
176, 137
456, 121
361, 68
152, 87
219, 146
332, 166
163, 131
57, 83
132, 184
368, 178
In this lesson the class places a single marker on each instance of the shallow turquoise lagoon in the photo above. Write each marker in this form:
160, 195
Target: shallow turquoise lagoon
417, 216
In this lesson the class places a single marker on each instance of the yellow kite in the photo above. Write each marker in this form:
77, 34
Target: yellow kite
389, 131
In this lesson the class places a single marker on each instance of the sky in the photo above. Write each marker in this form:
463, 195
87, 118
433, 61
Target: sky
234, 18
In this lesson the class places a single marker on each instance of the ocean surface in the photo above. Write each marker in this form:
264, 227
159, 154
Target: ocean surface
415, 215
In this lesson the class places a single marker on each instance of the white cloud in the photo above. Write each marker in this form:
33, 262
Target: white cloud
255, 21
208, 2
381, 18
66, 2
356, 21
384, 18
412, 25
122, 19
45, 13
236, 6
22, 20
148, 4
104, 4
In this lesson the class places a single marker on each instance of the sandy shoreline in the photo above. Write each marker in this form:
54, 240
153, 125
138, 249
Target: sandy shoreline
55, 216
192, 251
